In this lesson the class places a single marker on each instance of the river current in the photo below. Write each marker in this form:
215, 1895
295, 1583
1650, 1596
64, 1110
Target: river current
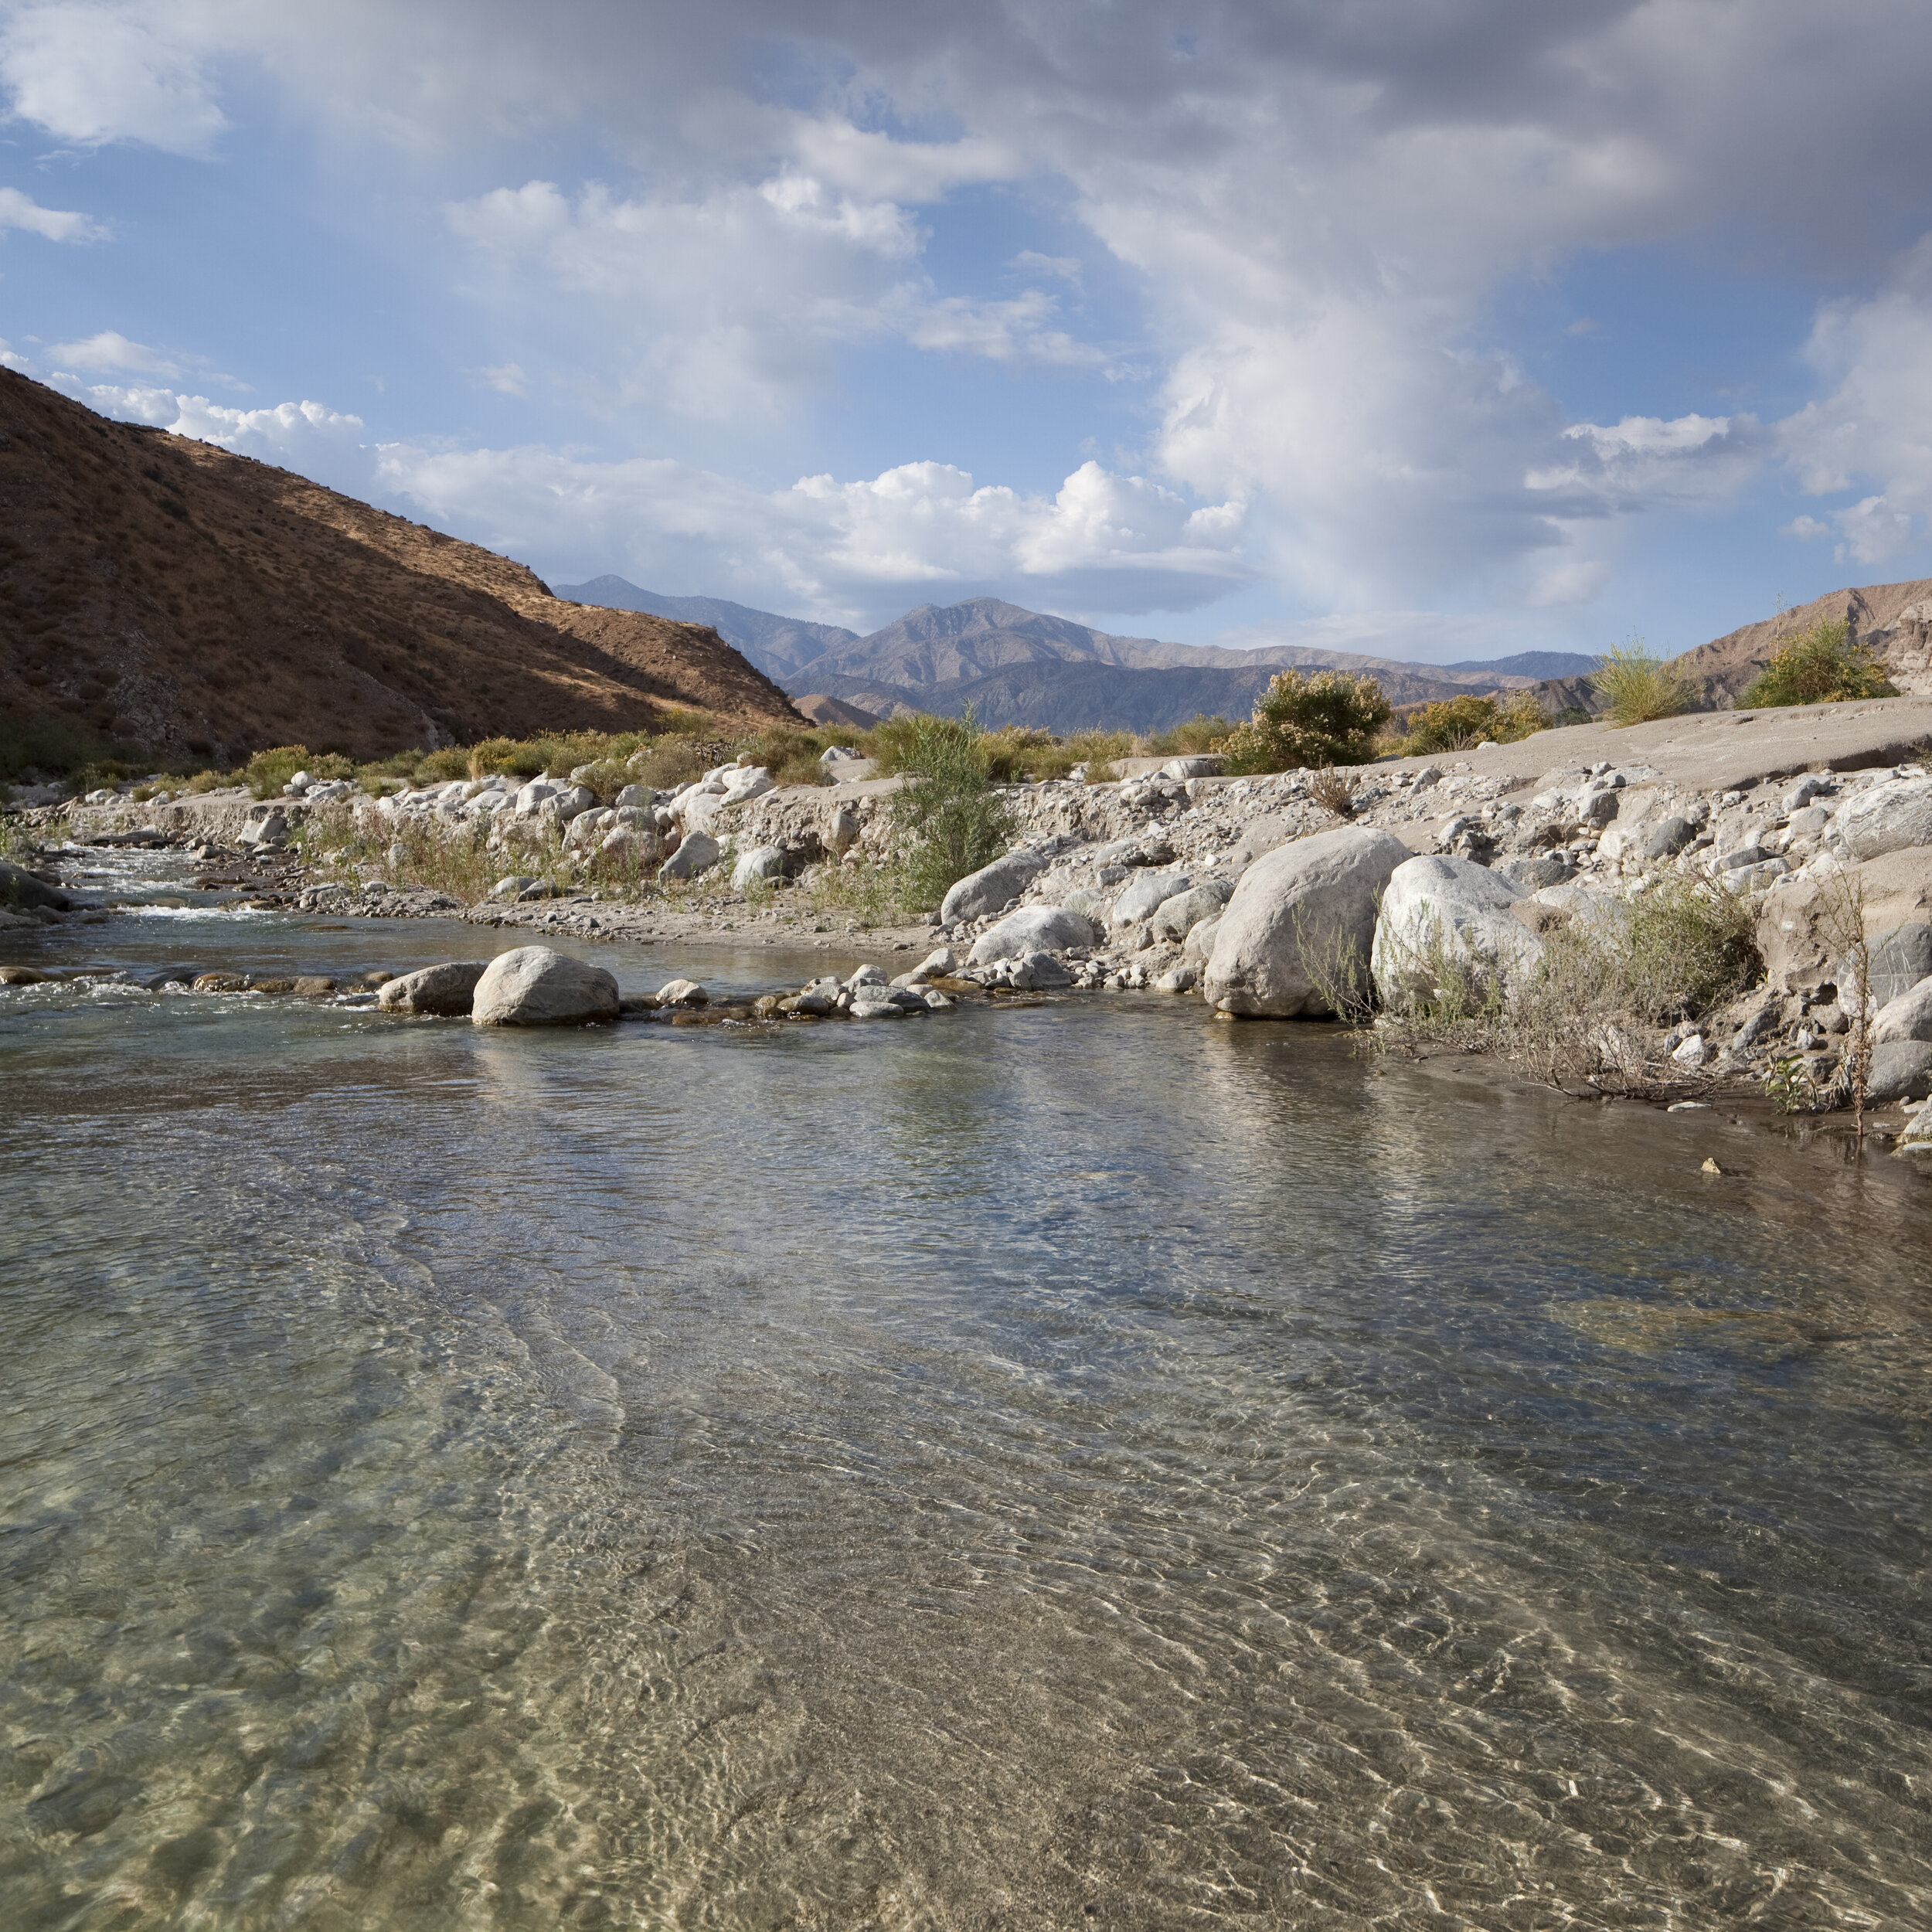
1080, 1465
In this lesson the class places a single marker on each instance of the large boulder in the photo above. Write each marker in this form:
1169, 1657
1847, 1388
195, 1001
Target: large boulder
532, 986
987, 889
1895, 964
1901, 1070
19, 887
447, 990
1300, 915
1034, 929
1144, 893
1436, 910
761, 862
1176, 917
1894, 813
697, 852
1907, 1016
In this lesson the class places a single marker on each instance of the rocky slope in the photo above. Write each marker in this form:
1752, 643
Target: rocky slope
186, 602
1893, 620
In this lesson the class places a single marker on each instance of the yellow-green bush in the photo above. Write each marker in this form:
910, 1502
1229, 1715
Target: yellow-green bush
1638, 686
1454, 724
1823, 666
1329, 719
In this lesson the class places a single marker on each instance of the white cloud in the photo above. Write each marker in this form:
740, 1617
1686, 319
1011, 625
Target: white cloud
111, 350
20, 211
96, 73
1804, 528
507, 379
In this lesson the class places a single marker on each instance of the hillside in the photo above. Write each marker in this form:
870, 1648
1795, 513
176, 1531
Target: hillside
185, 603
1894, 620
778, 646
1017, 666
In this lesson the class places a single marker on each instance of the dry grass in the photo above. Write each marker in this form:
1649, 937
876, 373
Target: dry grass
1330, 791
1637, 687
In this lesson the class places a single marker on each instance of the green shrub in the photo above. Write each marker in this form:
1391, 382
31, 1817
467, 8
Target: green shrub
949, 821
1688, 945
1637, 687
1199, 734
1454, 724
1824, 666
1326, 720
267, 772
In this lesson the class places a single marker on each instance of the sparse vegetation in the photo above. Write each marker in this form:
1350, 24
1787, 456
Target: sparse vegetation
1200, 734
1636, 686
1326, 720
949, 821
1330, 792
1822, 666
1454, 724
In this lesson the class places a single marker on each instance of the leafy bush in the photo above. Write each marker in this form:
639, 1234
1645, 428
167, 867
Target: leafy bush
1325, 719
667, 763
1637, 687
1824, 666
1453, 724
1199, 734
267, 773
949, 822
1688, 945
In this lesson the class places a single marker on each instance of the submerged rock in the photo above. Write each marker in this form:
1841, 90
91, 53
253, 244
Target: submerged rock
19, 887
532, 986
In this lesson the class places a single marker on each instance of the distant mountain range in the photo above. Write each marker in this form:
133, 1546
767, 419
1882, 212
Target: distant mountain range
1015, 666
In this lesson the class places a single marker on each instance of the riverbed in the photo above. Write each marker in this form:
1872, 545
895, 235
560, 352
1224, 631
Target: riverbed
1078, 1465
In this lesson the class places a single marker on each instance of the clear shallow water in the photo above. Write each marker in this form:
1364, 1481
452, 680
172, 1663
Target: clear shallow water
1080, 1465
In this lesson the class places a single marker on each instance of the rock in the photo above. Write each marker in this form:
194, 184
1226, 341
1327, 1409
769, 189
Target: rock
1197, 948
1205, 765
1437, 906
1034, 929
1918, 1137
1145, 892
1888, 816
1177, 979
1583, 903
1667, 839
697, 852
633, 796
989, 889
19, 887
1176, 917
446, 990
1307, 908
1531, 874
221, 983
865, 975
1895, 964
1908, 1016
631, 844
761, 862
1901, 1070
512, 888
22, 976
313, 986
752, 783
682, 993
573, 800
1810, 823
876, 1002
1036, 971
841, 833
1692, 1052
532, 986
536, 889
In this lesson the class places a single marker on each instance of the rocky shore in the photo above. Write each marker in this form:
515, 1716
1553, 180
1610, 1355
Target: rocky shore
1260, 895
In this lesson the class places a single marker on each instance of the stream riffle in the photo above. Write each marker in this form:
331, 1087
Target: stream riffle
1083, 1464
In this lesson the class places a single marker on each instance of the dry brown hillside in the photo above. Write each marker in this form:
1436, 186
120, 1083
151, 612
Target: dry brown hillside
176, 598
1894, 620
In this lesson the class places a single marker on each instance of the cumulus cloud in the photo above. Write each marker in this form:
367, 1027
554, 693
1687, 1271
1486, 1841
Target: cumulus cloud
91, 74
1315, 205
111, 350
20, 211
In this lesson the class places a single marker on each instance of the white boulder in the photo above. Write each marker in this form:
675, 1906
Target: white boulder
987, 889
532, 986
697, 852
761, 862
1305, 910
1144, 893
1437, 910
448, 989
1908, 1017
1886, 817
1033, 929
1176, 917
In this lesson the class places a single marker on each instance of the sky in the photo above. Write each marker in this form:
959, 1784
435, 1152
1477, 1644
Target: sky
1443, 329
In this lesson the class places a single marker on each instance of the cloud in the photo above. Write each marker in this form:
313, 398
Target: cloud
111, 350
507, 379
1804, 528
20, 211
99, 73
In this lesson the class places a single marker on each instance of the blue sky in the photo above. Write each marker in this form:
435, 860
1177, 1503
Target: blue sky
1444, 329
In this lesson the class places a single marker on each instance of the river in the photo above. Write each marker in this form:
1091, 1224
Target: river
1083, 1464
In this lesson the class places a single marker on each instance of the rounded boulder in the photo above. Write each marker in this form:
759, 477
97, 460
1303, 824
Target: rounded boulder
533, 986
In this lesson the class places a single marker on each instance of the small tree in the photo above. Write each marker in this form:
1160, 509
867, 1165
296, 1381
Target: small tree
1298, 722
1823, 666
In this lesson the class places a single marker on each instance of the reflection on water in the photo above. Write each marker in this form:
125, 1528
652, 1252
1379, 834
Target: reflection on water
1083, 1465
